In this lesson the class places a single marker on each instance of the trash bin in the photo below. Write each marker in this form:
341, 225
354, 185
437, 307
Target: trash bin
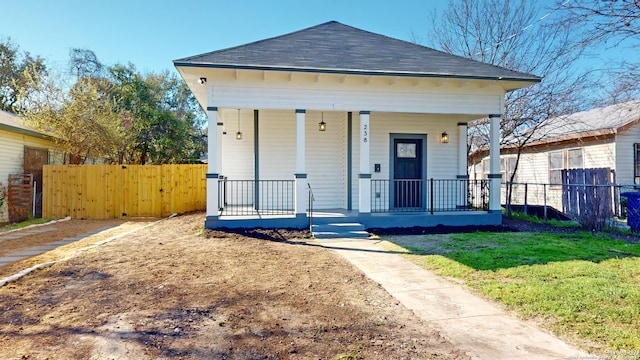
633, 209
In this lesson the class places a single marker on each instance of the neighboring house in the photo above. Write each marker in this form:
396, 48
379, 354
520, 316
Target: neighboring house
364, 120
22, 150
606, 137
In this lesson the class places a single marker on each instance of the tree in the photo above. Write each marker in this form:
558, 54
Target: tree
12, 67
603, 25
603, 21
161, 115
84, 63
512, 34
82, 120
115, 114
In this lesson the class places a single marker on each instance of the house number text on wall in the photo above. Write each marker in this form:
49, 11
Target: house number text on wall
365, 132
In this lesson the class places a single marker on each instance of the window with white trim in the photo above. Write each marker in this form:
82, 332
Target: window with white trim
485, 168
508, 167
561, 160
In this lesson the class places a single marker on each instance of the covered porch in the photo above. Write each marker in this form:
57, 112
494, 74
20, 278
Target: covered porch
288, 166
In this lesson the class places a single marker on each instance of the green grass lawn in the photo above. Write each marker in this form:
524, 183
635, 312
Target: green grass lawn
22, 224
583, 287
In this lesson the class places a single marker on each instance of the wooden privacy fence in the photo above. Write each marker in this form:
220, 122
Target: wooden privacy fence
582, 198
117, 191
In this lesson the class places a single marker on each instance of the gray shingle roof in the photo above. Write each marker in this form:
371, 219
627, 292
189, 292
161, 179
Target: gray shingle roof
337, 48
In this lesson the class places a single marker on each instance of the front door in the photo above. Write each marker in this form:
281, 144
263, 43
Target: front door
407, 173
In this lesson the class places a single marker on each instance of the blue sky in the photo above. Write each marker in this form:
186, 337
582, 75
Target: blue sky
150, 34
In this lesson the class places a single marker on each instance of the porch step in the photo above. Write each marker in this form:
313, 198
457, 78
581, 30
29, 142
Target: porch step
338, 230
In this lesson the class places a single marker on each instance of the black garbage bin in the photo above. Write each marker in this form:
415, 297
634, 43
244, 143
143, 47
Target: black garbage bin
633, 209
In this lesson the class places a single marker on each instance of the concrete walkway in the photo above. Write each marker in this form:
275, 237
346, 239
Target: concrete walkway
473, 324
37, 250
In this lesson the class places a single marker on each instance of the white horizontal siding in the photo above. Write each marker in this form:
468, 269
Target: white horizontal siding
601, 155
12, 157
326, 159
624, 154
237, 155
277, 144
444, 100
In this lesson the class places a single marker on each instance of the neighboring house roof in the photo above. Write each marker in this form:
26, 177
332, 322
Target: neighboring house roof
333, 47
594, 123
604, 120
11, 122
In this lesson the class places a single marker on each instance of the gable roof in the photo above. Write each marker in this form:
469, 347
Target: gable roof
333, 47
11, 122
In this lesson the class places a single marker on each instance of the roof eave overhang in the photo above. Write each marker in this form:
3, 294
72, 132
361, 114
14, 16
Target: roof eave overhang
527, 80
26, 132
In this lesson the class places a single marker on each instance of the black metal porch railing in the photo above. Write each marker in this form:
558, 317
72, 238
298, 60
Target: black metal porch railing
310, 213
256, 197
433, 195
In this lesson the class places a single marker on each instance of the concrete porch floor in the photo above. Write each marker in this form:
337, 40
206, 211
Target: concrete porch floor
373, 220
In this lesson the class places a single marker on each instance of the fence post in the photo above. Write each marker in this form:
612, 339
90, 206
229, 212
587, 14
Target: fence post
544, 192
526, 189
431, 194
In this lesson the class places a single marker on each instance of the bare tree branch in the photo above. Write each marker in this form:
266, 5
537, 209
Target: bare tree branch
603, 20
517, 35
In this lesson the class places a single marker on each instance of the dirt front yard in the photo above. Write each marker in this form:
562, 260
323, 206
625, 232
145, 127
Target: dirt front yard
168, 291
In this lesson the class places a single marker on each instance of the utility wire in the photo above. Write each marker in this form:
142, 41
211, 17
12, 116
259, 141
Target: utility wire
524, 28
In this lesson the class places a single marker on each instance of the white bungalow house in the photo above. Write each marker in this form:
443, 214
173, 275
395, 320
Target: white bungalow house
601, 138
370, 128
22, 150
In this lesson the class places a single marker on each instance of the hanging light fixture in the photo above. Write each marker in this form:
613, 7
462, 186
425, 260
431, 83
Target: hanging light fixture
239, 134
444, 138
322, 126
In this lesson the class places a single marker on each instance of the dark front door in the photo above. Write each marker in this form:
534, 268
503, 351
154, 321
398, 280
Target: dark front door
407, 173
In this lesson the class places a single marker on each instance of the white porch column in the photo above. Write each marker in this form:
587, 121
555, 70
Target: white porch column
301, 174
219, 147
462, 151
213, 207
494, 163
463, 177
364, 203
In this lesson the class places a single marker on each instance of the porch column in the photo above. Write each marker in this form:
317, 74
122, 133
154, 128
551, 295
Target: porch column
462, 151
494, 163
301, 187
364, 198
213, 207
219, 149
462, 176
